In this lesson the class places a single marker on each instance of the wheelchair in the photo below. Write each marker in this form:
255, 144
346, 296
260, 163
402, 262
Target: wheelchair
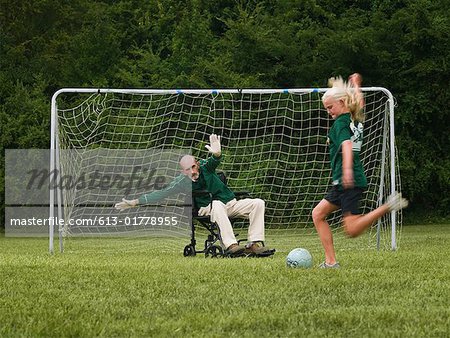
211, 247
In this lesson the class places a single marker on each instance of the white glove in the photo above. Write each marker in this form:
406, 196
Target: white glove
126, 204
214, 146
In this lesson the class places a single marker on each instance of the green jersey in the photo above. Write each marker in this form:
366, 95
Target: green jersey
344, 129
208, 181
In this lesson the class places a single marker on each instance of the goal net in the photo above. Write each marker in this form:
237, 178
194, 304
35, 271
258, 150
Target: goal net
273, 142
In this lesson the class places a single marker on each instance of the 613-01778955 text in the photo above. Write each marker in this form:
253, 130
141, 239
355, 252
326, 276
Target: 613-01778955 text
137, 220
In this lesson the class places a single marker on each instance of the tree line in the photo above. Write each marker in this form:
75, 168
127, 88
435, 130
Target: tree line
402, 45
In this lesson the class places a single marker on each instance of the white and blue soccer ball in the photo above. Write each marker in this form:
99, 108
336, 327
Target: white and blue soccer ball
299, 258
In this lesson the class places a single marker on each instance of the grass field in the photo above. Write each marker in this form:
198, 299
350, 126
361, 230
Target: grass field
145, 288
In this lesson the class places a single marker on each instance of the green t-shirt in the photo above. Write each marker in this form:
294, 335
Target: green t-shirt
208, 181
344, 129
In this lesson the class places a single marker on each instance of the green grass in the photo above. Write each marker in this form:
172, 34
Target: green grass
144, 287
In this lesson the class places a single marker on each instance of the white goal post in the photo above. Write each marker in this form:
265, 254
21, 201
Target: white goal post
274, 145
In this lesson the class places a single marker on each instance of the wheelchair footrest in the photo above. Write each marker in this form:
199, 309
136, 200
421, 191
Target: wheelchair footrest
267, 253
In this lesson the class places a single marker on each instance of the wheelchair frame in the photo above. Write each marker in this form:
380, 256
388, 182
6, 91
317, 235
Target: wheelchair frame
210, 247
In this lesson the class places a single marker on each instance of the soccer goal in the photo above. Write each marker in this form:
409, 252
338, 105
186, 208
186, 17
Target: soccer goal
273, 142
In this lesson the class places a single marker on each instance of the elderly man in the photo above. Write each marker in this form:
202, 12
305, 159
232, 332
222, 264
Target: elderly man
220, 204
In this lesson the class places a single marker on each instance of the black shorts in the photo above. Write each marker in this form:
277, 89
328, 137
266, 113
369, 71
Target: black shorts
347, 200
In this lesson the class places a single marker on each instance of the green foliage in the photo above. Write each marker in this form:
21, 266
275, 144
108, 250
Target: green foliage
401, 45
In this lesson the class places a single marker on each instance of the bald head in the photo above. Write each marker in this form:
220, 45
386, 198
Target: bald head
190, 167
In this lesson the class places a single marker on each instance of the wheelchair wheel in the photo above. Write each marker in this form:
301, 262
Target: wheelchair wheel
189, 250
214, 251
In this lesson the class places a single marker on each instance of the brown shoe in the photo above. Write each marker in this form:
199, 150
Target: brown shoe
234, 250
255, 249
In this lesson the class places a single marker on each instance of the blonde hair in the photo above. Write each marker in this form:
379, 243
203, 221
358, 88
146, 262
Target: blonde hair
351, 96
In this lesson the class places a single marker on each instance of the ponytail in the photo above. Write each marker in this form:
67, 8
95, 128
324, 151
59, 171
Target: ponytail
350, 94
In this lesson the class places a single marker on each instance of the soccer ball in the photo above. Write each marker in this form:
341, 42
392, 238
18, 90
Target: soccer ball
299, 258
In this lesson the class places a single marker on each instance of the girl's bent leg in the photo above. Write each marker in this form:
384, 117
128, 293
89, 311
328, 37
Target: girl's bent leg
355, 225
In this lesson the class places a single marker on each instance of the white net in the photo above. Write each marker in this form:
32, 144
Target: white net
274, 146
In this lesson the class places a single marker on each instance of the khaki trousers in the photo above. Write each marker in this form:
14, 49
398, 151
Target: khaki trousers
249, 208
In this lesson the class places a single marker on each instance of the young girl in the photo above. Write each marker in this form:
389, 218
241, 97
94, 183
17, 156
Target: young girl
344, 102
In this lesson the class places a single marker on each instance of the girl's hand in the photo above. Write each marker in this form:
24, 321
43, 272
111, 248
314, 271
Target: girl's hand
355, 79
347, 178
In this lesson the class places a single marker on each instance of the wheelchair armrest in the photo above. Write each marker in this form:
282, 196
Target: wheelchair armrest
242, 194
238, 194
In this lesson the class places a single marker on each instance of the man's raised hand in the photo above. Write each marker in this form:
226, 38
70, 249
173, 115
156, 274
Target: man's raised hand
214, 146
